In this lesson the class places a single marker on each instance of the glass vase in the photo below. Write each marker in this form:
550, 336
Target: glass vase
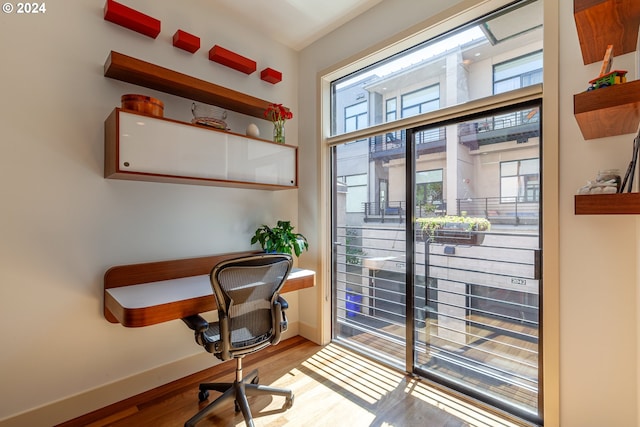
278, 132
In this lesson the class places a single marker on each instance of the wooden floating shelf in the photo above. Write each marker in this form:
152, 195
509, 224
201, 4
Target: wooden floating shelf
607, 204
608, 111
604, 22
131, 70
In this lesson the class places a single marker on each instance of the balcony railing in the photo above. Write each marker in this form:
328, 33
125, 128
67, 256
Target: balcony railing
392, 144
501, 210
498, 210
476, 306
384, 212
516, 126
395, 211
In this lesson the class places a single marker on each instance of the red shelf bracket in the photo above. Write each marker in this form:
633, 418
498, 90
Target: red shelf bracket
270, 75
232, 60
186, 41
131, 19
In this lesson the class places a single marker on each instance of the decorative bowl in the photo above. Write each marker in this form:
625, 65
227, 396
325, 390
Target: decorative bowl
209, 115
142, 104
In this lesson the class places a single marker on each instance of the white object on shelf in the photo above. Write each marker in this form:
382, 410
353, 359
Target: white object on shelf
606, 187
253, 131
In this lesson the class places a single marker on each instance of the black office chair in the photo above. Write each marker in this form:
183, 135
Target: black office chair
251, 317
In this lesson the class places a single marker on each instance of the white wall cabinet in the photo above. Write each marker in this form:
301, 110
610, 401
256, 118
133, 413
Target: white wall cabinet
144, 148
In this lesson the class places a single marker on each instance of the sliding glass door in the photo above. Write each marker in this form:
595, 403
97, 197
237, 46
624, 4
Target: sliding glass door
369, 278
436, 189
441, 277
476, 261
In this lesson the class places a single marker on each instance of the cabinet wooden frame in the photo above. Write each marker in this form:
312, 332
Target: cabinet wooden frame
113, 163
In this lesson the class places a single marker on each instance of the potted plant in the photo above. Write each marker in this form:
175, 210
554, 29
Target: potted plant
280, 238
454, 229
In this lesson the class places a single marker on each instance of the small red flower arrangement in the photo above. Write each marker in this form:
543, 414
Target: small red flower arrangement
278, 114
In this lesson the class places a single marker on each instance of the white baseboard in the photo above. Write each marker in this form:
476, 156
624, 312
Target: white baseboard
309, 332
74, 406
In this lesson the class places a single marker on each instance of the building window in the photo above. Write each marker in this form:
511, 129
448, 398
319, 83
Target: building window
449, 70
392, 107
429, 187
355, 117
517, 73
429, 196
520, 181
356, 192
421, 101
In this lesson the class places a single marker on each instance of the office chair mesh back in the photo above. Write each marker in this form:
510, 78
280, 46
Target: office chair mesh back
245, 293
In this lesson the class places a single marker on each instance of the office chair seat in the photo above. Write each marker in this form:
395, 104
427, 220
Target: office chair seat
244, 333
251, 316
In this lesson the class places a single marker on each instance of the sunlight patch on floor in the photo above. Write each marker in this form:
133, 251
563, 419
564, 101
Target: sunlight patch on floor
456, 407
368, 385
356, 376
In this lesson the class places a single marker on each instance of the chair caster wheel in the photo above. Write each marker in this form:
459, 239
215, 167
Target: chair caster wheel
288, 403
203, 395
237, 407
256, 380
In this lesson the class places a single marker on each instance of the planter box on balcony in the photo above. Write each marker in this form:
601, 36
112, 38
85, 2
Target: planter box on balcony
455, 230
456, 236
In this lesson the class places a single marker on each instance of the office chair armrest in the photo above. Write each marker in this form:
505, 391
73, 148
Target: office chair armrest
196, 323
283, 303
280, 319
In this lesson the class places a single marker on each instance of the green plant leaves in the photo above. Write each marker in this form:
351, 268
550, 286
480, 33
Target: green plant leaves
430, 224
280, 238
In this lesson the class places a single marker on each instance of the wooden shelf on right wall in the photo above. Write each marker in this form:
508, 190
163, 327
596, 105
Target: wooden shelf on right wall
607, 204
613, 110
608, 111
604, 22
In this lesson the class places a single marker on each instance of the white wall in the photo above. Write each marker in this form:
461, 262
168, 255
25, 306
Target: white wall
598, 306
598, 263
63, 225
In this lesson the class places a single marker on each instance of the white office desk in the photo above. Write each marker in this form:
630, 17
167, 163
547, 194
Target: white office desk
145, 294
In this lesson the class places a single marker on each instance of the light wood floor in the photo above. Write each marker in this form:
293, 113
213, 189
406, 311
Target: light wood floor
510, 361
333, 387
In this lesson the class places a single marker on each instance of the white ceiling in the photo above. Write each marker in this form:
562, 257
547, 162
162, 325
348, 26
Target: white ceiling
297, 23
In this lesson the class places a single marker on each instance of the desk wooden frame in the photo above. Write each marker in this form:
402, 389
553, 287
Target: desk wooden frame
134, 274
